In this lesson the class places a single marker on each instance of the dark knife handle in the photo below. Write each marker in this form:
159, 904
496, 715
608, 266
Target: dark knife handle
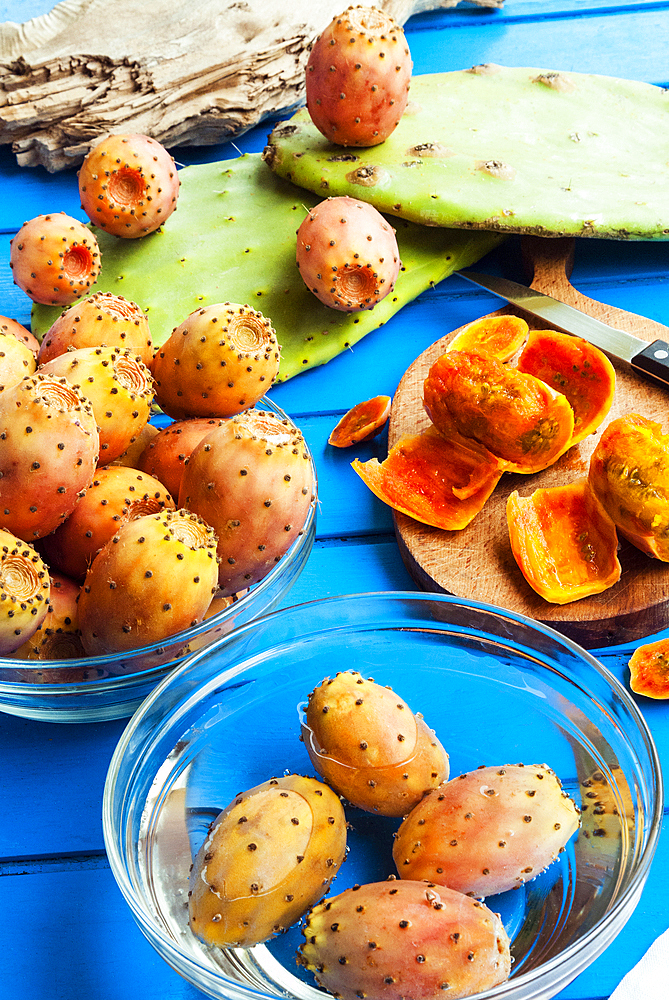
654, 361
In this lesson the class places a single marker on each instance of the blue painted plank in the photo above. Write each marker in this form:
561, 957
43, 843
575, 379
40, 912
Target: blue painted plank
76, 939
52, 778
350, 569
630, 44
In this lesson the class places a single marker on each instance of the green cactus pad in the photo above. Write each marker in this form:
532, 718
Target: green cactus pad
510, 150
233, 239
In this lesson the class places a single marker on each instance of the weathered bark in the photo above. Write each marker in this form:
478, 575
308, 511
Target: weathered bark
186, 74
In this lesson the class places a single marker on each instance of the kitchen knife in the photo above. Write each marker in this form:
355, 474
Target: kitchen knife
649, 359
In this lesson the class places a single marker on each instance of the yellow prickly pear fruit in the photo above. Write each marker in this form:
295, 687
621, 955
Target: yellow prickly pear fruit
269, 856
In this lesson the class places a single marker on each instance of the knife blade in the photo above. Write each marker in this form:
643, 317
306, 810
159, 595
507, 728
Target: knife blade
649, 359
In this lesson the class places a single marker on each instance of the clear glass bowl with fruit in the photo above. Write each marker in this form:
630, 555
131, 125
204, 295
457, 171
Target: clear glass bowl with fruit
85, 687
233, 732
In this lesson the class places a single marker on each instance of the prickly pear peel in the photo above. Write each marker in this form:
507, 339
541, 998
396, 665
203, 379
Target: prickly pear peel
361, 422
439, 481
564, 542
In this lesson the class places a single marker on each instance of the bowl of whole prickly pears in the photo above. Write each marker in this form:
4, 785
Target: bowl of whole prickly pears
384, 795
149, 505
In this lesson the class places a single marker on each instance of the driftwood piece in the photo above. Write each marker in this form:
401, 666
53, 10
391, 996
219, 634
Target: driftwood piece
186, 74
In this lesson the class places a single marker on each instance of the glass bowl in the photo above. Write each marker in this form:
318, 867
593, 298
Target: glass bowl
96, 688
496, 687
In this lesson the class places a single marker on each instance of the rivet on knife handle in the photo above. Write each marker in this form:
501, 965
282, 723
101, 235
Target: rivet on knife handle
653, 360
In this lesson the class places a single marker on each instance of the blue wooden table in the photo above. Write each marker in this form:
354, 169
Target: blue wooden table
67, 934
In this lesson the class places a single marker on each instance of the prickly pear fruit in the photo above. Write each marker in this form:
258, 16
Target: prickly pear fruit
101, 319
16, 361
54, 259
117, 494
154, 578
649, 669
119, 386
128, 185
399, 939
221, 360
165, 454
629, 475
500, 335
24, 592
362, 421
488, 830
347, 254
515, 416
269, 856
49, 447
251, 478
365, 741
358, 75
57, 638
8, 325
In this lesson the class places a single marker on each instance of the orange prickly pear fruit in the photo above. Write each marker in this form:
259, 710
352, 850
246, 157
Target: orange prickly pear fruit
488, 830
347, 254
365, 741
154, 578
57, 638
115, 495
54, 259
221, 360
251, 478
358, 76
399, 939
166, 453
119, 387
24, 592
49, 446
101, 319
128, 185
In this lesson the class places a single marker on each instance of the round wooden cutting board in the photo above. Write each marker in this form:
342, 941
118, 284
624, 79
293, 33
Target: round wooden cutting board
477, 563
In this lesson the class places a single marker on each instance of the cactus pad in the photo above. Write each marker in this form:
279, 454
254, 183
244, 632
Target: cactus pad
233, 239
512, 150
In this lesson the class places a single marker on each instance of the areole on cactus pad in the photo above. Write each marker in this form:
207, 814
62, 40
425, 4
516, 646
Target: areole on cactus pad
233, 238
518, 150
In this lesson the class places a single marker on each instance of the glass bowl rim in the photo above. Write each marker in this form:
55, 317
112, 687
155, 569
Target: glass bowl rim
635, 881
